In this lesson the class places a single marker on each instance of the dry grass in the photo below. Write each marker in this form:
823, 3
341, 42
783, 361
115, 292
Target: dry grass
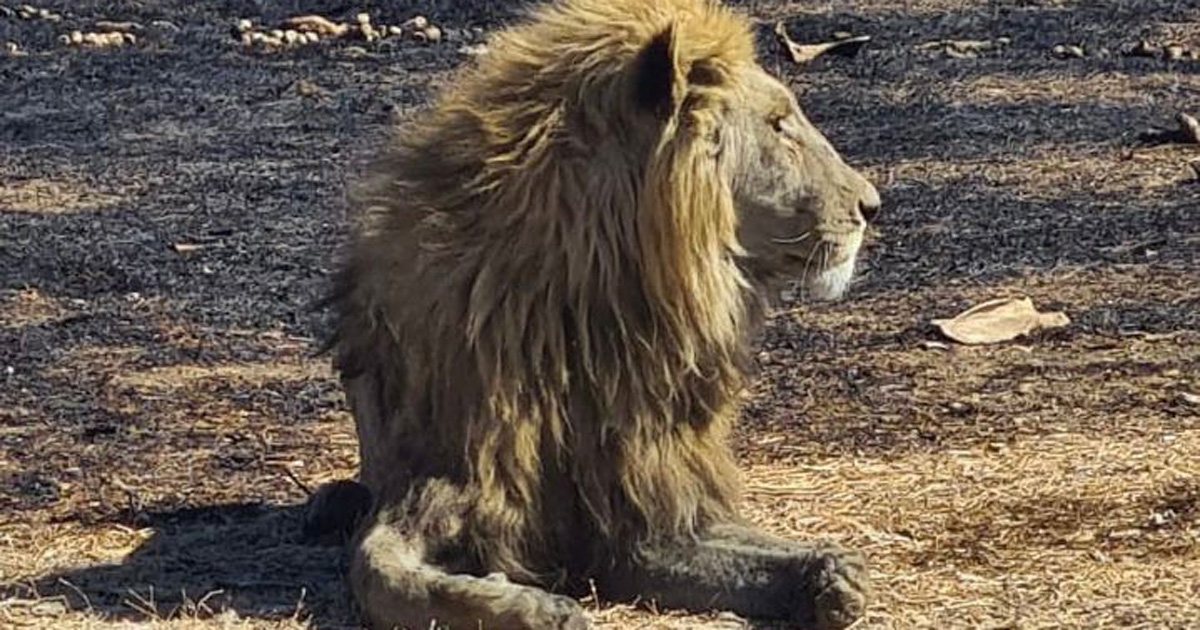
1062, 531
155, 401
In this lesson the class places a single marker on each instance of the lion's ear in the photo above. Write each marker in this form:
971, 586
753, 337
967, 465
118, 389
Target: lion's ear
659, 84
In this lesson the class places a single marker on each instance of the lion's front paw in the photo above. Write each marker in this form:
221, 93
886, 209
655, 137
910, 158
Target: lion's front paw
531, 608
836, 587
566, 614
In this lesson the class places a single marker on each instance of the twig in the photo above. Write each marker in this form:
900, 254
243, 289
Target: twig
87, 602
296, 480
804, 53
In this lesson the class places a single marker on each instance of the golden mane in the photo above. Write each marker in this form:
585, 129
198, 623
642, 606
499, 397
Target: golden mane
544, 270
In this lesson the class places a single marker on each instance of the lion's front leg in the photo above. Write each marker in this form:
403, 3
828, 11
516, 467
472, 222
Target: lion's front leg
405, 573
739, 569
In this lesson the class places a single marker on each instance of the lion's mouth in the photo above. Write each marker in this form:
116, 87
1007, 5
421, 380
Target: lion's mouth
830, 283
827, 268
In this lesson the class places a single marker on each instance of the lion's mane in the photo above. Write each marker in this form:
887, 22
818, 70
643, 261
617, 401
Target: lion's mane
542, 302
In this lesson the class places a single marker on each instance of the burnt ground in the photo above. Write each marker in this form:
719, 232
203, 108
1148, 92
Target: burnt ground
168, 210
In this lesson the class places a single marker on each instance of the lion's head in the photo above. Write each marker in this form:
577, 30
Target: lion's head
800, 210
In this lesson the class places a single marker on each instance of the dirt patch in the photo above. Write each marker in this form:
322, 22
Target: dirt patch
170, 209
52, 197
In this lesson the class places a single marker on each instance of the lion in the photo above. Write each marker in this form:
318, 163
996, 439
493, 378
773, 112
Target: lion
543, 323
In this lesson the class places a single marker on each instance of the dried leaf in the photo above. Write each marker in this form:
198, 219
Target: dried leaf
999, 320
804, 53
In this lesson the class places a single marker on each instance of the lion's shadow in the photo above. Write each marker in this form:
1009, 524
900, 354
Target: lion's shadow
247, 559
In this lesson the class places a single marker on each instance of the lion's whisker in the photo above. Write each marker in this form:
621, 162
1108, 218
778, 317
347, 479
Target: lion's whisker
792, 240
804, 273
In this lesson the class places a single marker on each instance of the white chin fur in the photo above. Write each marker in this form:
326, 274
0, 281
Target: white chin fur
831, 283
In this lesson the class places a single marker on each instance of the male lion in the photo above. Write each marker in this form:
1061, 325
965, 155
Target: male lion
543, 321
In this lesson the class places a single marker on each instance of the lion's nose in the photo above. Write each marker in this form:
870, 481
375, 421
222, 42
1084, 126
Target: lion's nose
869, 204
869, 209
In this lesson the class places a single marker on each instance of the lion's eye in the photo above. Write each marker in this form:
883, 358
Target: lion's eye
776, 122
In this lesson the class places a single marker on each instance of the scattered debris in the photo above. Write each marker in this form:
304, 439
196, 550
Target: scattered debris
997, 321
474, 51
431, 34
11, 49
308, 29
1142, 49
1162, 519
108, 39
366, 29
959, 408
1172, 51
965, 48
322, 26
421, 29
1188, 132
1069, 51
1190, 399
803, 53
125, 27
164, 25
1125, 534
308, 89
28, 12
417, 23
275, 38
